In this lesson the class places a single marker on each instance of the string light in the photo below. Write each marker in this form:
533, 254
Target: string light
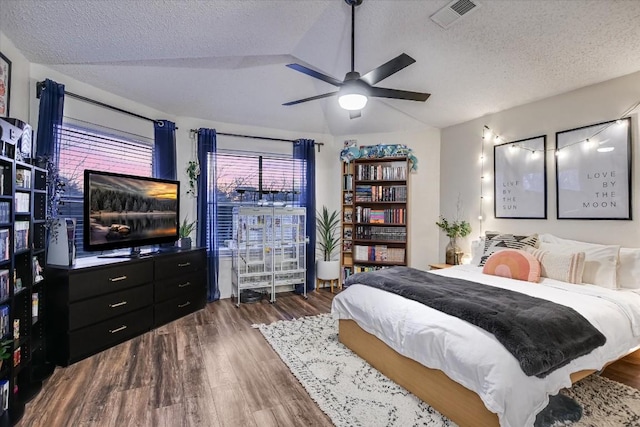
490, 135
589, 142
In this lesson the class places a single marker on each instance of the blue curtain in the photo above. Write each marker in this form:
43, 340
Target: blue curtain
304, 149
49, 121
208, 207
164, 153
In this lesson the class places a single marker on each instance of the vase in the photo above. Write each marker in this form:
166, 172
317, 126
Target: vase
453, 252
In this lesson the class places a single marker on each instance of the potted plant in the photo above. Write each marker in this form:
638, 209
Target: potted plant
6, 347
454, 229
184, 232
193, 170
327, 227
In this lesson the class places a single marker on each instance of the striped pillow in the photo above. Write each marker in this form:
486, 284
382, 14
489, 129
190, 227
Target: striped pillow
513, 264
567, 267
495, 242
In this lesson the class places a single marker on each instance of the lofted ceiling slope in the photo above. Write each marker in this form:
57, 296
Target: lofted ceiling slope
225, 60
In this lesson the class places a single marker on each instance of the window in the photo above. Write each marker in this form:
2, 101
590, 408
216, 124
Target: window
82, 149
247, 178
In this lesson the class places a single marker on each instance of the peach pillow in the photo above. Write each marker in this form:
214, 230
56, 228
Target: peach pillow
513, 264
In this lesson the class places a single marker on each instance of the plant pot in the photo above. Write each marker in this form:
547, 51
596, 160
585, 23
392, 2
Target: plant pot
453, 253
327, 270
185, 243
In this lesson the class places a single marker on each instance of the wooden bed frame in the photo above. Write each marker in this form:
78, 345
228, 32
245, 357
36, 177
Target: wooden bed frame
433, 386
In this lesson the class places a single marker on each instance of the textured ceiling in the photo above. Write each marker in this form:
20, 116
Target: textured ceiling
225, 60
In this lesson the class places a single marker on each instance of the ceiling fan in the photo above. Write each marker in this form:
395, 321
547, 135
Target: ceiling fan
354, 89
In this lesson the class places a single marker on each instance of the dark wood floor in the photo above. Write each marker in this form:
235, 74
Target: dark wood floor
207, 369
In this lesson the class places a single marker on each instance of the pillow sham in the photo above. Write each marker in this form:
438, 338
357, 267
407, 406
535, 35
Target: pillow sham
600, 261
628, 274
567, 267
513, 264
628, 268
494, 242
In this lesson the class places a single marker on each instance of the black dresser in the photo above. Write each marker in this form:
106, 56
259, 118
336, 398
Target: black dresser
100, 302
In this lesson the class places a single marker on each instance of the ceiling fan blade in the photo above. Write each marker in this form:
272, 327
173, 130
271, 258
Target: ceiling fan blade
354, 114
315, 74
324, 95
382, 92
385, 70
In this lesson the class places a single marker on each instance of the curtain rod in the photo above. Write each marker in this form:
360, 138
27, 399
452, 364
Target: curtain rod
265, 138
40, 87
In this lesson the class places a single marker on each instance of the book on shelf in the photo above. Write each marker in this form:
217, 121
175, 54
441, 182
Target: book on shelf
4, 394
21, 229
16, 356
4, 321
16, 329
4, 244
5, 212
22, 202
35, 298
4, 284
23, 178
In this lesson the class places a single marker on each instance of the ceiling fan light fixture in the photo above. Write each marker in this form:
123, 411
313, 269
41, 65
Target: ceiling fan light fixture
352, 101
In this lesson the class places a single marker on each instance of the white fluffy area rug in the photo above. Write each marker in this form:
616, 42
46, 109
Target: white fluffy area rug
352, 393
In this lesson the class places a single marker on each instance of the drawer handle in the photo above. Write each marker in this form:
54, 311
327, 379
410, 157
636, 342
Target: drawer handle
121, 328
184, 264
184, 305
117, 279
184, 285
118, 304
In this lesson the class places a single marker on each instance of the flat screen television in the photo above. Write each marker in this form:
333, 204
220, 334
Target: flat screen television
128, 211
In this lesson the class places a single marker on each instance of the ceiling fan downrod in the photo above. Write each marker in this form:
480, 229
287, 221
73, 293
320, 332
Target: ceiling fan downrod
353, 4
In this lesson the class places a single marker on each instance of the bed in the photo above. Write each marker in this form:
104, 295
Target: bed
463, 371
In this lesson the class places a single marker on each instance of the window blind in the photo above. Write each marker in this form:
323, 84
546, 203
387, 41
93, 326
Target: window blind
247, 178
82, 148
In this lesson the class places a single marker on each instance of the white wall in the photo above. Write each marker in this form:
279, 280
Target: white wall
460, 164
424, 189
19, 93
423, 207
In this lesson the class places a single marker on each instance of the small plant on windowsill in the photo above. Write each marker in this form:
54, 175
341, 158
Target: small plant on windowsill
184, 232
193, 171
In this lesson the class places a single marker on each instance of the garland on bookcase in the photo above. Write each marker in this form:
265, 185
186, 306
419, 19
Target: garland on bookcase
351, 152
55, 189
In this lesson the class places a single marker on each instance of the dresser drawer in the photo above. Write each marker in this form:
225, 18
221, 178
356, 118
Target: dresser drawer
101, 281
176, 286
179, 306
176, 265
89, 340
94, 310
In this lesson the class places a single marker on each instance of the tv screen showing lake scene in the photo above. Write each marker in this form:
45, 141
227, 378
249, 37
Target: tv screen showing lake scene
125, 210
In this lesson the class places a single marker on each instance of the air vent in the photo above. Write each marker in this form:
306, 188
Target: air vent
452, 12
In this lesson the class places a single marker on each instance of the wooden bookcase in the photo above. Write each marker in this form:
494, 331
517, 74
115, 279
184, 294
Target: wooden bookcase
375, 229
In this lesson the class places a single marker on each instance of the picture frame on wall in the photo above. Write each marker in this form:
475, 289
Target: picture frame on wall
5, 85
593, 171
520, 179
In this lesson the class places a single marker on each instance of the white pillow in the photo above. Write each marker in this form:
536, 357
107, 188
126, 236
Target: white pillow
600, 261
628, 275
477, 249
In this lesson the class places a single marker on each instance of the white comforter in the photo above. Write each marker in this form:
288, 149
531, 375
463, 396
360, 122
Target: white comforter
473, 357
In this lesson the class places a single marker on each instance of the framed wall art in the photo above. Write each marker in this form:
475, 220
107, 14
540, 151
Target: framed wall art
520, 179
5, 85
593, 171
